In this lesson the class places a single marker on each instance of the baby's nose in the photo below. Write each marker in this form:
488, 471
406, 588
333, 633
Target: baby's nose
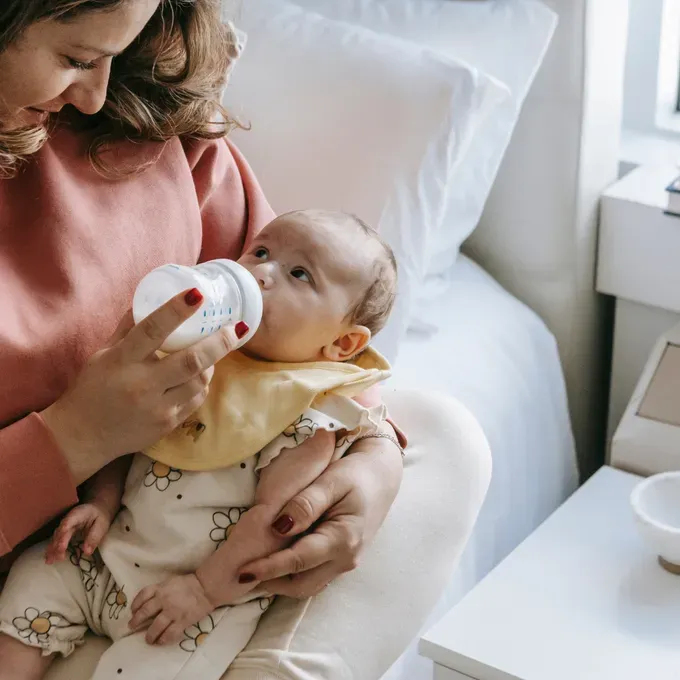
265, 276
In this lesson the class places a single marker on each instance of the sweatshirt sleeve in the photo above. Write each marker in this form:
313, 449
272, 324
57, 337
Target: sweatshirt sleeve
35, 480
233, 206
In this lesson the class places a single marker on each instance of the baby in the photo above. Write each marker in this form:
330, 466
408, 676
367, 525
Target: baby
166, 533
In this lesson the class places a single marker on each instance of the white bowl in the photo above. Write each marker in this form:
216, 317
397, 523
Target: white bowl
656, 505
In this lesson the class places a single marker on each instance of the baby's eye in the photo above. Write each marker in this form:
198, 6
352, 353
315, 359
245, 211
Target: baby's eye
261, 253
301, 274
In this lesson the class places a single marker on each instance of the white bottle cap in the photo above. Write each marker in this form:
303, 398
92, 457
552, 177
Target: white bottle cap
251, 297
225, 285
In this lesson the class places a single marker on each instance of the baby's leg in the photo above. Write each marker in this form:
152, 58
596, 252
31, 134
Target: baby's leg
207, 650
41, 614
19, 662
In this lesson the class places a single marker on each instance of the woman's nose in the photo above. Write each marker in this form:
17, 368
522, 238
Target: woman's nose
88, 93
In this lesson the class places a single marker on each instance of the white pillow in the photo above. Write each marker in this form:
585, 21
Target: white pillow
506, 39
344, 118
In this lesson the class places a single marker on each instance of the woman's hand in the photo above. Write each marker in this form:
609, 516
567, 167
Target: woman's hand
127, 398
351, 498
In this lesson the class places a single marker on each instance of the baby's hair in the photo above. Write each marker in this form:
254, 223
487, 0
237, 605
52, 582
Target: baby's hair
374, 307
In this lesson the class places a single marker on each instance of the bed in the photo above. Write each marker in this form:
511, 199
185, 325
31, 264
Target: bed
500, 360
503, 314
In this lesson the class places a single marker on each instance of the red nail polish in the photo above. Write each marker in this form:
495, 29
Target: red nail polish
283, 524
241, 328
246, 578
193, 297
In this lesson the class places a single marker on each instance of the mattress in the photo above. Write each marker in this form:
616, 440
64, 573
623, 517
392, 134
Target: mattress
481, 345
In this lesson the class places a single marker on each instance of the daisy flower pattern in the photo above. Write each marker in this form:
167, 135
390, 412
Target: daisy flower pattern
161, 476
197, 634
224, 523
301, 430
88, 565
36, 626
265, 603
117, 601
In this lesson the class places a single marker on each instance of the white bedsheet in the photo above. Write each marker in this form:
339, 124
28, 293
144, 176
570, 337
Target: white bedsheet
497, 357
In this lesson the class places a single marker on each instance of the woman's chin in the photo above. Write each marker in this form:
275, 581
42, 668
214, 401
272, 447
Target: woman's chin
24, 119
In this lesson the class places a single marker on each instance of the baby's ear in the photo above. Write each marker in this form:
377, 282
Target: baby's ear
349, 344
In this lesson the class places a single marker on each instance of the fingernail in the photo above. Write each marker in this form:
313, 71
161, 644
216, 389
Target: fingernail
193, 297
241, 328
283, 524
246, 578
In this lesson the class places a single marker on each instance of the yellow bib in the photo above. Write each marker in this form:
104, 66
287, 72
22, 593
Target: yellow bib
251, 402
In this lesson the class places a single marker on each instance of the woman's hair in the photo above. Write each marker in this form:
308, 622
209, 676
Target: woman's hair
168, 82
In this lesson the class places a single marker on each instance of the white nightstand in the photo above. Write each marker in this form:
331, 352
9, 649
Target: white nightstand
639, 264
581, 599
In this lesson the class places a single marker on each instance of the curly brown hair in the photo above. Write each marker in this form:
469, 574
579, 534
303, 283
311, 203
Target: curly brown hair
168, 82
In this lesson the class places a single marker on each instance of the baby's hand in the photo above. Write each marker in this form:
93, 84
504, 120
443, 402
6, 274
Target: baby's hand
170, 607
87, 523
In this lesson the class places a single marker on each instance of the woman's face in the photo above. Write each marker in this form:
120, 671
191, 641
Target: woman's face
56, 63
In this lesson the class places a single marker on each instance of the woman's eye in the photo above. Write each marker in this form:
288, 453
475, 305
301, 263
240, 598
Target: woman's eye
300, 274
81, 65
261, 253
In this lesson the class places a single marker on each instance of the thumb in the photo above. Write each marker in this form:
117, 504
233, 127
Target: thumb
124, 327
300, 513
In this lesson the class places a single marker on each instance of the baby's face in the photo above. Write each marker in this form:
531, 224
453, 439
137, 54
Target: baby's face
311, 276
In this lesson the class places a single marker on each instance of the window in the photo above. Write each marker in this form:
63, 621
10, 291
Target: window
668, 83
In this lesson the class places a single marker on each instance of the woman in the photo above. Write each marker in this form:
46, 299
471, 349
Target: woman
111, 166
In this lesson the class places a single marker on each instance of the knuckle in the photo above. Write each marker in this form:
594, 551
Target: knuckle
135, 393
192, 362
165, 420
204, 379
352, 563
227, 342
302, 508
354, 544
194, 403
152, 329
202, 394
297, 563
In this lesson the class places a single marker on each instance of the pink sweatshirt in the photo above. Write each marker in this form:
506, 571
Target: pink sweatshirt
73, 247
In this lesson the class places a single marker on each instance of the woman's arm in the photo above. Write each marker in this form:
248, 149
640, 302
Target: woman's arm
352, 499
287, 475
35, 480
125, 399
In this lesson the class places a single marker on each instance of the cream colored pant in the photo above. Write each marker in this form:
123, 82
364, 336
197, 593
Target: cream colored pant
356, 628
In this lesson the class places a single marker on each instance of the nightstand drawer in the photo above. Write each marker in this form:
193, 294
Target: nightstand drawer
638, 242
443, 673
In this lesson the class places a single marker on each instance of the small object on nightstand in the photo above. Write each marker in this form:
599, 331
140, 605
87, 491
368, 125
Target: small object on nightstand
656, 505
647, 440
673, 190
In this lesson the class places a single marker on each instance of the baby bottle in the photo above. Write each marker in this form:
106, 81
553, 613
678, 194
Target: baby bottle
230, 294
